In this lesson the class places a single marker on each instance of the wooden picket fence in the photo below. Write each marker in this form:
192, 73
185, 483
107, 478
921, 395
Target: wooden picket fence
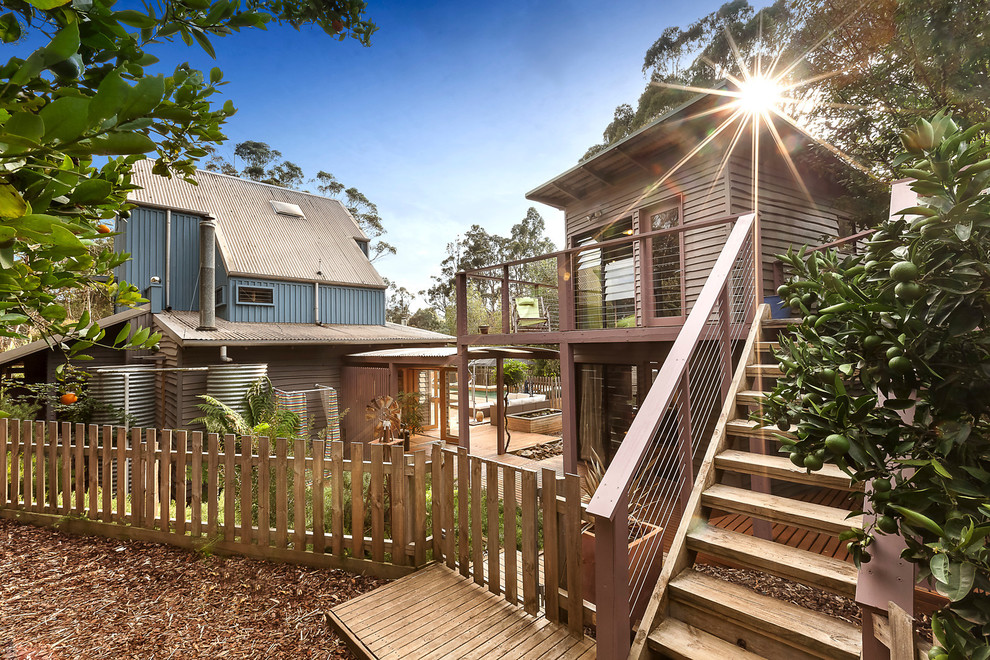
499, 525
280, 500
549, 386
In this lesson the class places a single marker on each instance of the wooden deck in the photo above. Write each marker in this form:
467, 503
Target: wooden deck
436, 613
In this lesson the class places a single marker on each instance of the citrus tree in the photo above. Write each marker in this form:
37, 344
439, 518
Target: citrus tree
76, 113
888, 375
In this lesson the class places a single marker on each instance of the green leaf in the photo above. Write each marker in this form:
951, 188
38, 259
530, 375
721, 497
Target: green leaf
940, 469
10, 29
83, 320
66, 118
134, 18
959, 581
916, 519
204, 43
122, 335
963, 230
91, 191
141, 336
66, 241
940, 567
54, 313
122, 144
63, 45
45, 5
144, 97
111, 95
12, 205
26, 125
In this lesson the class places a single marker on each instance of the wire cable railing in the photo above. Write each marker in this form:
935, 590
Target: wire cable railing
640, 499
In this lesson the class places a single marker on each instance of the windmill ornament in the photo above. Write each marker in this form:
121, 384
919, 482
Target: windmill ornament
384, 412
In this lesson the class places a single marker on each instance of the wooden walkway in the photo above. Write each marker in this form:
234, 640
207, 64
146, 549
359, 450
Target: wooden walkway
437, 613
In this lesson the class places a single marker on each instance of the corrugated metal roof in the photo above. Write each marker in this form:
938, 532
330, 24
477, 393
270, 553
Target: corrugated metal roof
255, 240
182, 326
43, 344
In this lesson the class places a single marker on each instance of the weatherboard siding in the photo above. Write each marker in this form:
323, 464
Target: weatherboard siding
352, 305
293, 303
143, 236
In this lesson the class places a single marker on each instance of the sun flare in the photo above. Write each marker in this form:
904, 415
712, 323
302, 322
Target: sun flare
759, 94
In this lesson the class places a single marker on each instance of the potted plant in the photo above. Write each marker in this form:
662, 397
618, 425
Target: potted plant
642, 534
410, 416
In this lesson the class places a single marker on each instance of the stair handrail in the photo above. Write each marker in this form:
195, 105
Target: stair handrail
609, 505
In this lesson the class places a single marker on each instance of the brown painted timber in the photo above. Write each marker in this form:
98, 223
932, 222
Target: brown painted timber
466, 622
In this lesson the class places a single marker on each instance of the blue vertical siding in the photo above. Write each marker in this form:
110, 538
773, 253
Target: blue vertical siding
223, 311
293, 302
185, 262
352, 305
143, 236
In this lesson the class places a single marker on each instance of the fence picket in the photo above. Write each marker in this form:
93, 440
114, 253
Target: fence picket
246, 485
463, 491
337, 481
357, 499
337, 486
137, 478
52, 467
79, 438
65, 451
419, 502
551, 566
299, 494
229, 488
511, 537
196, 483
494, 570
93, 469
319, 538
15, 480
3, 461
281, 493
377, 503
530, 544
398, 501
39, 466
212, 486
477, 541
26, 469
182, 448
436, 503
572, 531
120, 515
264, 492
151, 479
448, 509
106, 479
165, 480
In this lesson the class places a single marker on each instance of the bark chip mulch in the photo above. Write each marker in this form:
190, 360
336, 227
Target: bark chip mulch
65, 596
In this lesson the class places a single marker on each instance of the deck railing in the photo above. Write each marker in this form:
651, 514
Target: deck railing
638, 280
292, 501
651, 476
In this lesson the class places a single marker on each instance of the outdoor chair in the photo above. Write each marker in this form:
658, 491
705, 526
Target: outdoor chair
529, 314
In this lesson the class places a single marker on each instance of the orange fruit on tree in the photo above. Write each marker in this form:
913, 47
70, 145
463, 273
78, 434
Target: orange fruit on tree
103, 229
68, 398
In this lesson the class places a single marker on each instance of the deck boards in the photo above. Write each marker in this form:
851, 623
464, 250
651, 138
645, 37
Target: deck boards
437, 613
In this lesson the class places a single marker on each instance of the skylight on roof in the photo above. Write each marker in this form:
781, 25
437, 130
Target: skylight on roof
284, 208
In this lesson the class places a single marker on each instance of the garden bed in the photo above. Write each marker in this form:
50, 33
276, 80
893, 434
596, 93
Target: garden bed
545, 420
67, 597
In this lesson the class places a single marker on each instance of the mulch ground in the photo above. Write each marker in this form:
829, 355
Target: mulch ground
67, 597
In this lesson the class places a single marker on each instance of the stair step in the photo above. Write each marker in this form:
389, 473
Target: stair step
800, 628
784, 510
769, 370
750, 398
812, 569
779, 467
768, 346
680, 641
747, 428
778, 324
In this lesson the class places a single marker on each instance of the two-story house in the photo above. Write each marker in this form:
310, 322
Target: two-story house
242, 278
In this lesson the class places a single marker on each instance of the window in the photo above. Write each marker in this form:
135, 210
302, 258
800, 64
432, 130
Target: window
605, 286
255, 295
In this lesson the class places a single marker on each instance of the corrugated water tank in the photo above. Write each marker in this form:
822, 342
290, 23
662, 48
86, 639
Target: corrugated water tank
229, 383
130, 389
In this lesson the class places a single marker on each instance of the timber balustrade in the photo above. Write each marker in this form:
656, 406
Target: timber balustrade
643, 279
638, 504
380, 512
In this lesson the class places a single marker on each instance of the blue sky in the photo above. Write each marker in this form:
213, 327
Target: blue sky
452, 115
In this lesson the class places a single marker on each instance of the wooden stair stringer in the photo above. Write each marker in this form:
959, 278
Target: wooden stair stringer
681, 556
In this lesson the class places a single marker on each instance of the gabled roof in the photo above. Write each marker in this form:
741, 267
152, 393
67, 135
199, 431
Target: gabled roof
643, 150
181, 326
257, 241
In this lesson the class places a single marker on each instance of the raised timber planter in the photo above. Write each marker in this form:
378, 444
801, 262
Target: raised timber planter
544, 420
643, 544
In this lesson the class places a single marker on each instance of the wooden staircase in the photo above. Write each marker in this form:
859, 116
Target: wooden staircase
693, 615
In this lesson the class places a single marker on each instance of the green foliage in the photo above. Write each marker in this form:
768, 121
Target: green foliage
411, 411
515, 372
888, 375
25, 402
427, 319
87, 93
262, 416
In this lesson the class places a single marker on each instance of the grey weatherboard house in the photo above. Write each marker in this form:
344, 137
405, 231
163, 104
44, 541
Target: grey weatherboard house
292, 287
